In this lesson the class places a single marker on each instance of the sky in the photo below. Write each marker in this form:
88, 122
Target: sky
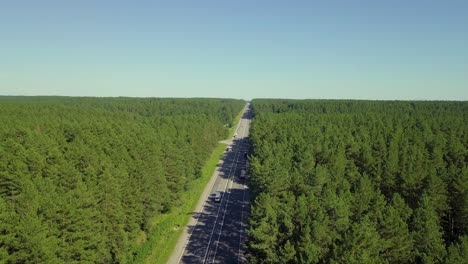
375, 49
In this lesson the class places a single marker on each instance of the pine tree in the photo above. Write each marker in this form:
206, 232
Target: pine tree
427, 233
264, 230
458, 215
360, 244
397, 240
458, 252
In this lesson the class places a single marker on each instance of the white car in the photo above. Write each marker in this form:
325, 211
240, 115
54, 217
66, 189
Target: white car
217, 197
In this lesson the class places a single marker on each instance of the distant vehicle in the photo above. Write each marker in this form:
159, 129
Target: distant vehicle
217, 197
242, 174
235, 135
229, 148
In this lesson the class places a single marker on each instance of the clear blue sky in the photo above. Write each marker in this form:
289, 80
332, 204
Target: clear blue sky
399, 49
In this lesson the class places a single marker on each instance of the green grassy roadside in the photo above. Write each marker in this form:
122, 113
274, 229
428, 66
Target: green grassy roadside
236, 121
168, 227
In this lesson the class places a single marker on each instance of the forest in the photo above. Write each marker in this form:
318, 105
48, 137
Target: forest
81, 178
348, 181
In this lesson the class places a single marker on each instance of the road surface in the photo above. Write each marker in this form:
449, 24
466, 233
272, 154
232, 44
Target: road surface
216, 233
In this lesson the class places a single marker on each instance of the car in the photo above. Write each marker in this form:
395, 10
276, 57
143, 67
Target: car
235, 135
229, 148
217, 197
242, 174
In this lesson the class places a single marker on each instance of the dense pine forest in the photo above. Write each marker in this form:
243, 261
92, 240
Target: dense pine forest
81, 178
336, 181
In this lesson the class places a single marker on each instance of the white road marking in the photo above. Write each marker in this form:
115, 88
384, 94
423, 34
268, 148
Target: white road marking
231, 175
196, 222
217, 216
225, 208
242, 222
204, 203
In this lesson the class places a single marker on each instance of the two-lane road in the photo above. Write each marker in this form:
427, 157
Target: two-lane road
217, 234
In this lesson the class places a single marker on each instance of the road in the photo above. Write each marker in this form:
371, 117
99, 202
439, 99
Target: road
216, 233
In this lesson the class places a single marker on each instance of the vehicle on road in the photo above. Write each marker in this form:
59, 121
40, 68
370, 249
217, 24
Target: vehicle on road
229, 148
242, 174
217, 197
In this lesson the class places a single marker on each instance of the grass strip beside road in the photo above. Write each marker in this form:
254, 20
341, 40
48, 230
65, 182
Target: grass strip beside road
236, 121
168, 227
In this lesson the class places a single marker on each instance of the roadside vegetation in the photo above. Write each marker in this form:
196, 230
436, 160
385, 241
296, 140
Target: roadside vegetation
93, 180
234, 125
337, 181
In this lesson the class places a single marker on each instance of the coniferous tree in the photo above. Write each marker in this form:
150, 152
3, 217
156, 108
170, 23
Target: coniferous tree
427, 235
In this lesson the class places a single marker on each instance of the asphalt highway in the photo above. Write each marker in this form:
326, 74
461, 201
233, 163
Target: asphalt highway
218, 235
